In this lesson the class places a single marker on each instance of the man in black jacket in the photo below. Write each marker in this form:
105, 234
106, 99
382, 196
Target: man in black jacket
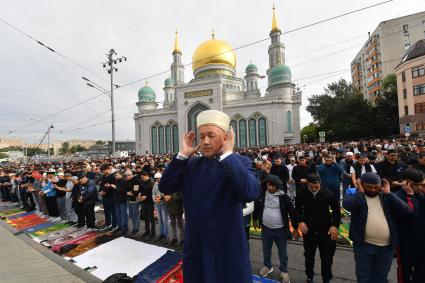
391, 169
280, 170
300, 172
133, 188
318, 225
120, 199
272, 211
145, 197
106, 191
87, 199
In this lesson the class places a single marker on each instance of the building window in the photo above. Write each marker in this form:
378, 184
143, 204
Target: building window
289, 121
419, 89
406, 111
420, 108
404, 93
140, 132
252, 132
405, 28
420, 126
242, 133
234, 125
168, 139
175, 138
154, 140
403, 76
262, 131
161, 139
406, 46
418, 71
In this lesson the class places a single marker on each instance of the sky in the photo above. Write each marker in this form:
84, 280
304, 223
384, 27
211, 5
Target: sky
37, 83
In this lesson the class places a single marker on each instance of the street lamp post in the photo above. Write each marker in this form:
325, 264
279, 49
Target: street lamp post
50, 126
109, 65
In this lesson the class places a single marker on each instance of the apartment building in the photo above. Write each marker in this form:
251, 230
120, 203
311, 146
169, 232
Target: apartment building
383, 51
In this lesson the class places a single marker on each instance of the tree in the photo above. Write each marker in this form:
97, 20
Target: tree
64, 149
309, 133
99, 142
386, 121
34, 151
341, 112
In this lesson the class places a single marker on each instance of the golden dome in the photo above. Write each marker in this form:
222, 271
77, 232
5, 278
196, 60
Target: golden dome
213, 51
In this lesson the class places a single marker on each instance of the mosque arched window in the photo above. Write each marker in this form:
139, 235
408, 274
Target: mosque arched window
262, 131
168, 139
289, 121
161, 139
234, 125
154, 140
242, 133
175, 138
252, 125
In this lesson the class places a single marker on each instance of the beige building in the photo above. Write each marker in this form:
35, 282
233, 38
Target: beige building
383, 50
411, 89
11, 142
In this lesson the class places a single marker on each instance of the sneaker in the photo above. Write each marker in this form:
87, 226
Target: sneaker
159, 239
174, 242
265, 271
285, 277
151, 236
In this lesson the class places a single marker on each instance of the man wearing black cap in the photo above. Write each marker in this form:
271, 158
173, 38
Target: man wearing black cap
87, 199
411, 229
391, 168
107, 193
372, 227
318, 225
273, 210
300, 172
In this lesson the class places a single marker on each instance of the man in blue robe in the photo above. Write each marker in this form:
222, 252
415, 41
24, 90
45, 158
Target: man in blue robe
215, 186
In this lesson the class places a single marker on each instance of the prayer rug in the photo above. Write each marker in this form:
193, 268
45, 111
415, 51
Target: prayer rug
77, 240
67, 237
258, 279
166, 266
55, 227
55, 235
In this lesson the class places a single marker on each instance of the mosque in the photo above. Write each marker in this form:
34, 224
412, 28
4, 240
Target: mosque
258, 119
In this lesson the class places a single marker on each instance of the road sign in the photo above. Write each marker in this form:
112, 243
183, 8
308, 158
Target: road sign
322, 139
322, 134
407, 129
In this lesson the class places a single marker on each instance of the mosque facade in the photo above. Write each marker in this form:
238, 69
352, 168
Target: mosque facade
258, 119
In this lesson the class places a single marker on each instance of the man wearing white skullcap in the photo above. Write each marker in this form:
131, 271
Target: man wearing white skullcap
214, 187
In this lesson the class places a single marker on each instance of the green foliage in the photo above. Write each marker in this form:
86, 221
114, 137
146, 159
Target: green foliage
311, 131
64, 149
100, 142
344, 114
33, 151
3, 155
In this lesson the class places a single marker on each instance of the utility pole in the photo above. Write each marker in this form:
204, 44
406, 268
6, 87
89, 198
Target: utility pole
48, 142
109, 65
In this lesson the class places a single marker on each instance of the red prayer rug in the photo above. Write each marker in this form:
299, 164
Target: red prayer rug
174, 275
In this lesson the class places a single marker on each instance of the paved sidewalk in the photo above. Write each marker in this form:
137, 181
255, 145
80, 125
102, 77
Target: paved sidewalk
23, 260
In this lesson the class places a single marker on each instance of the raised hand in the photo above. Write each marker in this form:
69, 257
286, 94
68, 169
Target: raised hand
386, 189
187, 148
229, 142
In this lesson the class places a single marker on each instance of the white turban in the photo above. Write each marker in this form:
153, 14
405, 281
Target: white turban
214, 118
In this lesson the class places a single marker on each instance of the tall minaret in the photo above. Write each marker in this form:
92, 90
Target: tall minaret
276, 49
177, 68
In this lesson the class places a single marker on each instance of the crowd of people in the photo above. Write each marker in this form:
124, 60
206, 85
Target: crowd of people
379, 182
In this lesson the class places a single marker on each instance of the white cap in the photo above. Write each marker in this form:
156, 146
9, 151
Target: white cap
264, 157
61, 174
349, 153
133, 164
214, 118
157, 176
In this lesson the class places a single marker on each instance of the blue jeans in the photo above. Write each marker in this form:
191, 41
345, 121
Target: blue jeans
134, 214
279, 236
373, 263
61, 203
122, 216
162, 219
109, 207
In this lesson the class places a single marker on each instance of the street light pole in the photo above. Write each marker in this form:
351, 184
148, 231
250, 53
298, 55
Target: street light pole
48, 142
111, 62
